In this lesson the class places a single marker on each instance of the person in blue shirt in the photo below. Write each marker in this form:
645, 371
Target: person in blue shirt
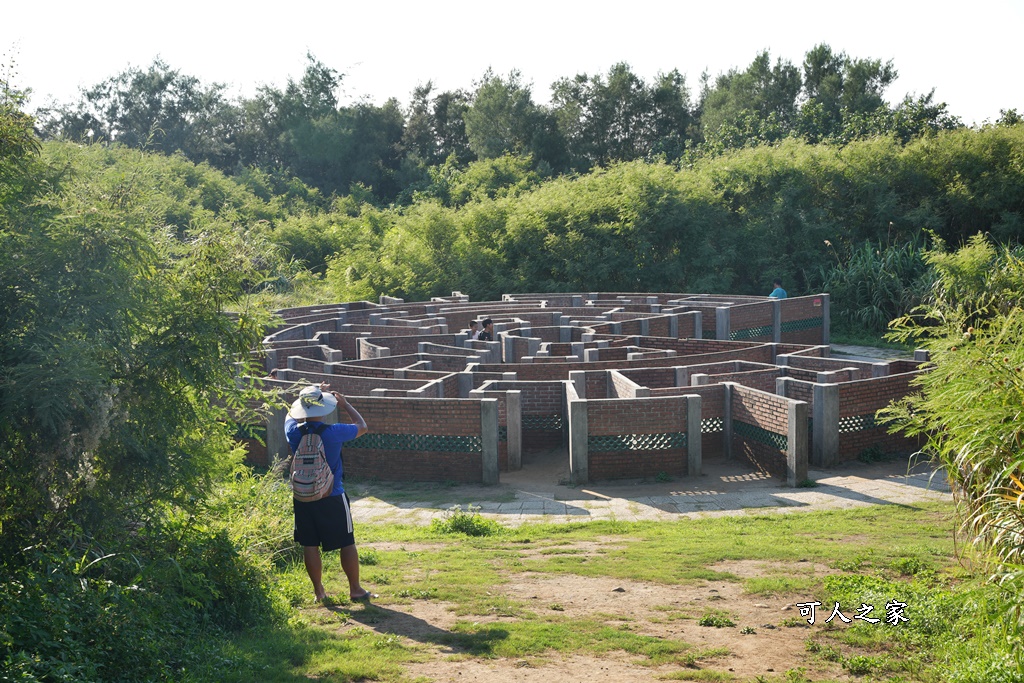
778, 292
326, 523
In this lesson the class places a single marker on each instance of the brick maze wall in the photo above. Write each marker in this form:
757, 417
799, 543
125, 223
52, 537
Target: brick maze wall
654, 378
751, 322
800, 312
858, 402
542, 412
637, 457
397, 418
761, 416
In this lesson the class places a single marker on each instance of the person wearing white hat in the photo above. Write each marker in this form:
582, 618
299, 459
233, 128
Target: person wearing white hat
326, 523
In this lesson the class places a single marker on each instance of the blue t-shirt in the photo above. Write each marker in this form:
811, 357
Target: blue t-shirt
777, 293
333, 436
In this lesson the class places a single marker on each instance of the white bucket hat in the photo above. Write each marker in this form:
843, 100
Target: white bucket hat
313, 403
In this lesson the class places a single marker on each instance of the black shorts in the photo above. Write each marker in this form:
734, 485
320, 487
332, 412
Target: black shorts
326, 522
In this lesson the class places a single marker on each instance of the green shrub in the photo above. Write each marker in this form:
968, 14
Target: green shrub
467, 522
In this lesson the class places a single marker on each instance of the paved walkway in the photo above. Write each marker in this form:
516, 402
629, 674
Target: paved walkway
725, 488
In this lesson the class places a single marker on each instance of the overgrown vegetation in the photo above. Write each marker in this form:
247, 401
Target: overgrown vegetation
970, 406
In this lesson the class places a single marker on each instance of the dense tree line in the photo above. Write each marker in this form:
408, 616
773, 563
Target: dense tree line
593, 120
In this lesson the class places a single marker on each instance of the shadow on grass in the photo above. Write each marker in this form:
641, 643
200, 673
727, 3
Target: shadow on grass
388, 621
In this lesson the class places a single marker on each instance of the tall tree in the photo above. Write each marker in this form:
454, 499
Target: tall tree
436, 127
621, 118
840, 89
157, 108
765, 91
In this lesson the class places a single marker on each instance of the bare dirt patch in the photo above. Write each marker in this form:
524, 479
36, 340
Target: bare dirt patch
668, 612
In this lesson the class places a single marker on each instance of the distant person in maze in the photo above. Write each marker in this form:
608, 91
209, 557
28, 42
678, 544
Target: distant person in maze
326, 523
474, 329
778, 292
487, 334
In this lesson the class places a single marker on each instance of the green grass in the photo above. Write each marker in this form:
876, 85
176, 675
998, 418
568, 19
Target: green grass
874, 555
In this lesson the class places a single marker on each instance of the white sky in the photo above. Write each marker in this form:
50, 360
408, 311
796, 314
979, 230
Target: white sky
968, 52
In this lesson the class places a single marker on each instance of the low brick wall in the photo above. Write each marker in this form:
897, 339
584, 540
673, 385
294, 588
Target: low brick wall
760, 429
416, 440
637, 438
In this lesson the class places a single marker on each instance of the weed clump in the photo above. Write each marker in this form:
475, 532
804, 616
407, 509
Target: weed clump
468, 522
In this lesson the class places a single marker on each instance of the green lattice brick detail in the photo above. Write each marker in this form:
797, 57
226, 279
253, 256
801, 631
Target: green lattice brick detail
502, 433
751, 333
418, 442
637, 442
805, 324
712, 425
251, 432
542, 423
857, 423
749, 431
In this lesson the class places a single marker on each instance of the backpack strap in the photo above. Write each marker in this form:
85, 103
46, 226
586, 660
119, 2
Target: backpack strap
314, 427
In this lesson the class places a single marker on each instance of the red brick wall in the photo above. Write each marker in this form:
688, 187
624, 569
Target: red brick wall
409, 344
865, 398
767, 411
546, 334
636, 416
412, 416
620, 386
560, 349
361, 370
712, 409
802, 308
762, 380
540, 399
655, 378
299, 364
750, 316
350, 385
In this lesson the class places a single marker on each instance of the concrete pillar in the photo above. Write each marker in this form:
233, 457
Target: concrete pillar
374, 318
879, 369
591, 355
576, 349
673, 326
277, 444
796, 454
514, 429
508, 376
919, 355
782, 386
698, 379
577, 300
564, 334
465, 384
579, 382
399, 373
694, 461
682, 376
698, 325
826, 319
645, 327
722, 323
489, 439
727, 420
379, 393
578, 446
270, 362
776, 321
825, 423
